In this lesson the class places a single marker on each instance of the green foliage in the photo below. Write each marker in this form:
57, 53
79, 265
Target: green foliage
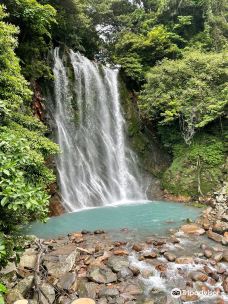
35, 22
28, 121
74, 27
136, 52
14, 88
192, 90
3, 290
24, 177
198, 165
2, 249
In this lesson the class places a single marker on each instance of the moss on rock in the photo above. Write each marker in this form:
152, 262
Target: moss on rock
197, 169
152, 157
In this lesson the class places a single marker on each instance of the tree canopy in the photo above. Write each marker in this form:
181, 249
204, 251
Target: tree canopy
192, 90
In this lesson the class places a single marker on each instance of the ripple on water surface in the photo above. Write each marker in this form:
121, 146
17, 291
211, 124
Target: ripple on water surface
155, 217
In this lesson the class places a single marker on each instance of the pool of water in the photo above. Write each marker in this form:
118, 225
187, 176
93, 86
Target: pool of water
155, 217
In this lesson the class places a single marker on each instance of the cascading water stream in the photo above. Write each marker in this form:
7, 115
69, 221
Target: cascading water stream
95, 167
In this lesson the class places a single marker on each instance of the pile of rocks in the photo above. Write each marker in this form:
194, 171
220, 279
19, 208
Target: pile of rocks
215, 218
89, 268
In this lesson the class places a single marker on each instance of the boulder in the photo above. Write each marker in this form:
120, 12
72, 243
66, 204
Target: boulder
159, 242
109, 292
225, 256
225, 285
119, 300
138, 247
13, 296
159, 297
184, 260
25, 285
208, 253
64, 300
8, 275
225, 239
120, 252
101, 275
192, 229
116, 263
189, 298
28, 259
170, 256
124, 273
9, 270
214, 236
220, 227
99, 231
199, 276
49, 292
150, 255
174, 240
218, 256
61, 260
86, 289
135, 270
67, 280
133, 289
208, 270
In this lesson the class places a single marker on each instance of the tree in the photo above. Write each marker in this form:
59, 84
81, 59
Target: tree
35, 22
74, 28
14, 88
144, 50
24, 177
191, 91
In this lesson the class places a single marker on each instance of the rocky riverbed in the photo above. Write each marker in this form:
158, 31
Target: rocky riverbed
92, 267
124, 268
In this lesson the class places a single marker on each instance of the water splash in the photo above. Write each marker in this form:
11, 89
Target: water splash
96, 167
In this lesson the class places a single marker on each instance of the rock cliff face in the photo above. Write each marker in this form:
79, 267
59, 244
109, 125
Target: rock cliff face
56, 208
153, 159
215, 217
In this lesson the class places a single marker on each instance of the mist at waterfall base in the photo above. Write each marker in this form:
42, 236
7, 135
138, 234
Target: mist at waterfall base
96, 166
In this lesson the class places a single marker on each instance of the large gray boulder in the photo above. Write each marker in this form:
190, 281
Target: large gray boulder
61, 260
116, 263
101, 275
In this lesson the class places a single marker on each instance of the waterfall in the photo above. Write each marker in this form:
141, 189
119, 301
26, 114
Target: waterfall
95, 167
